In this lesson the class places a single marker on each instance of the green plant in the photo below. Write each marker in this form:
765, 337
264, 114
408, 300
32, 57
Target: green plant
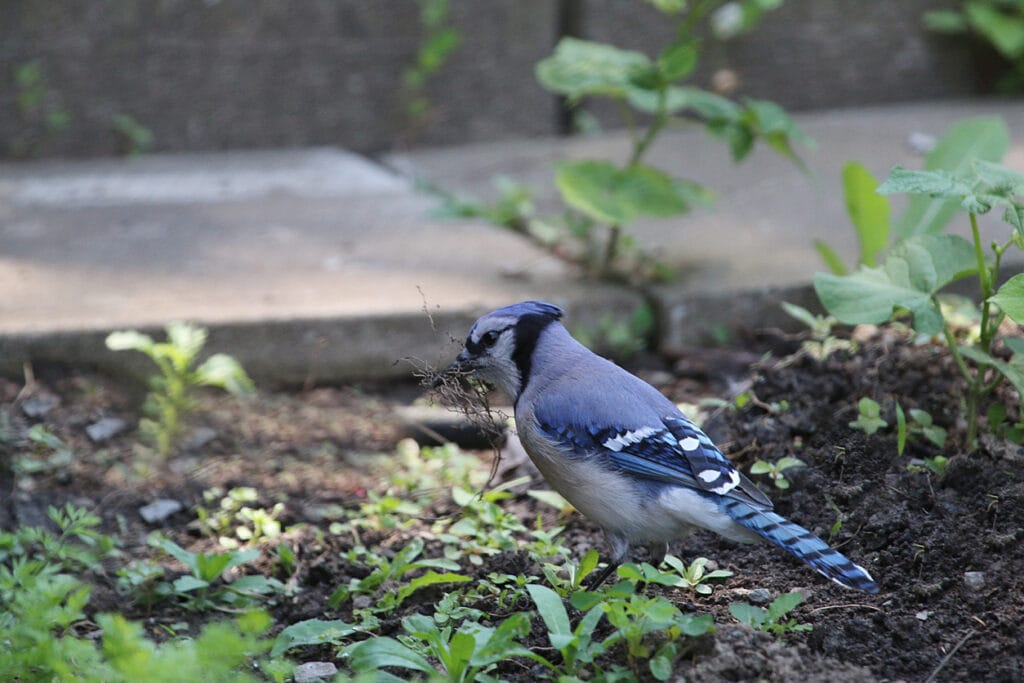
465, 654
49, 454
1000, 424
41, 117
601, 198
776, 471
937, 465
919, 425
578, 646
695, 576
133, 138
384, 584
983, 137
170, 393
234, 522
78, 545
484, 528
312, 632
440, 40
822, 343
998, 22
869, 419
203, 589
771, 619
919, 266
620, 338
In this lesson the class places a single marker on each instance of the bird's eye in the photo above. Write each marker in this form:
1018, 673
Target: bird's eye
489, 339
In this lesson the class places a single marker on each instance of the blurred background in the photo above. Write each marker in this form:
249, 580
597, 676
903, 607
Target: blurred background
123, 76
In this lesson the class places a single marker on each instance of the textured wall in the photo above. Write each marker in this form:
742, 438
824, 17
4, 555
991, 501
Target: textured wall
219, 74
241, 73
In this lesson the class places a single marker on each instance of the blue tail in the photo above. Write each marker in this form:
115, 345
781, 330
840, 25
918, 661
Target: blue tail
802, 543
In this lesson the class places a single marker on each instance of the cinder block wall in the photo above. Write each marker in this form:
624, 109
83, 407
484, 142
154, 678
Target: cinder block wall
219, 74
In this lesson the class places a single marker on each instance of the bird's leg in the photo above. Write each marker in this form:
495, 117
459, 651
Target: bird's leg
657, 552
620, 550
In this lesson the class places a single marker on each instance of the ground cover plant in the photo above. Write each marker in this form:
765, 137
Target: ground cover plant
601, 198
390, 561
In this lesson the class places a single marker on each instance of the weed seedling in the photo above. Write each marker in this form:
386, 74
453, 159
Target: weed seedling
170, 398
771, 619
869, 419
776, 471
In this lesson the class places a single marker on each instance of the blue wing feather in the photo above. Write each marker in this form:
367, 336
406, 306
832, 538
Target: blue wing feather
676, 451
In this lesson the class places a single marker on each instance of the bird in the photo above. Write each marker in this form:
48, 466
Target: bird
620, 451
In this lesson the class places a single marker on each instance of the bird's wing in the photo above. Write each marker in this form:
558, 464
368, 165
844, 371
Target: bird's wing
668, 448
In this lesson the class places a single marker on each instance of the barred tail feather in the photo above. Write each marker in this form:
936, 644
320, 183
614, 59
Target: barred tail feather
802, 543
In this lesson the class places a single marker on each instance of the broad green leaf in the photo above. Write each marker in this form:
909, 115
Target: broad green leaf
831, 258
783, 605
240, 557
188, 559
311, 632
221, 370
938, 184
981, 137
187, 583
869, 211
129, 340
1010, 298
748, 614
696, 624
377, 653
612, 195
1010, 372
998, 179
760, 467
669, 6
678, 61
581, 67
914, 271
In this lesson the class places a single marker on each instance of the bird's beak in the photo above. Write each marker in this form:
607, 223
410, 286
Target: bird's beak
460, 365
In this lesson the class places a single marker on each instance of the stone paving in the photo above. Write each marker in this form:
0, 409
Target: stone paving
330, 258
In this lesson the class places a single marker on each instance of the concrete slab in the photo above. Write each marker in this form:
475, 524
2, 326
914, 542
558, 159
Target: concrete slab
316, 263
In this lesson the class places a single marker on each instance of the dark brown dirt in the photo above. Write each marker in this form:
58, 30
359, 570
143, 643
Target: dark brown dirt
917, 533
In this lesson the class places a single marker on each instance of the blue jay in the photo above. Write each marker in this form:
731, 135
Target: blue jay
620, 451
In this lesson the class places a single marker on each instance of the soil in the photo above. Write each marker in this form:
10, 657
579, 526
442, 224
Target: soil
916, 532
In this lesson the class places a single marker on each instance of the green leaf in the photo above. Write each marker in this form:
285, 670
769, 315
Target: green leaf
901, 430
760, 467
1010, 372
612, 195
831, 258
981, 137
549, 605
783, 605
429, 579
1010, 298
380, 652
221, 370
678, 61
939, 184
1004, 31
188, 559
311, 632
868, 211
581, 67
914, 271
129, 340
186, 583
748, 614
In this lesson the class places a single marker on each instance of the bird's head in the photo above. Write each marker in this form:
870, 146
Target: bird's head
500, 345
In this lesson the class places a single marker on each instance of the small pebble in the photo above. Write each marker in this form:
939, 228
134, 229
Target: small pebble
314, 671
974, 581
759, 596
199, 437
923, 615
104, 429
159, 510
38, 406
